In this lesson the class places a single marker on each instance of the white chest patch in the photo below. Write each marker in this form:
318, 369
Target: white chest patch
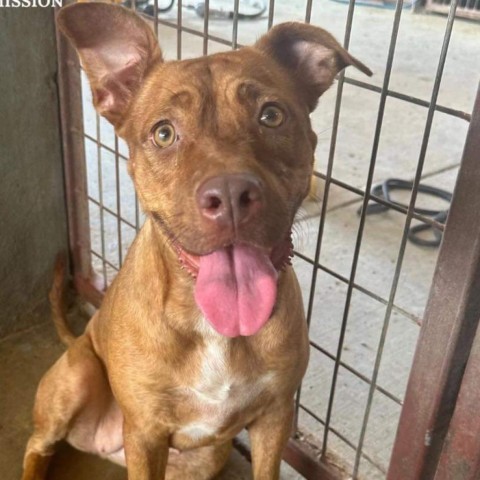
214, 384
197, 430
219, 391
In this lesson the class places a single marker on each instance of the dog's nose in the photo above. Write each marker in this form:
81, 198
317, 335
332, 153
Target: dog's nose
230, 199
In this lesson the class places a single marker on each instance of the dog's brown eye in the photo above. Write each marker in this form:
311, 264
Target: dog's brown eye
272, 116
164, 135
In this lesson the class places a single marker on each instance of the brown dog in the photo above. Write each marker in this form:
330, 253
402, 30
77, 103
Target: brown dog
202, 333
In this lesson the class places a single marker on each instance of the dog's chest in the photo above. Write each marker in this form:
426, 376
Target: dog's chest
220, 393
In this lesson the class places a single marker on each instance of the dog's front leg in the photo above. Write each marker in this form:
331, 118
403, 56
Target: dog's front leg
268, 436
146, 451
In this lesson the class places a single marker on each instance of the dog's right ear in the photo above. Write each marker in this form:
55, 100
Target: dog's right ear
116, 49
310, 55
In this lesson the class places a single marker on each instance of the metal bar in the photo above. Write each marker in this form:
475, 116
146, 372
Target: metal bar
100, 198
398, 267
179, 28
243, 449
450, 323
321, 225
106, 147
308, 11
236, 6
88, 291
73, 150
376, 142
206, 20
461, 452
441, 170
344, 439
410, 99
306, 462
119, 205
358, 287
155, 17
112, 213
355, 372
107, 262
271, 13
301, 457
123, 157
382, 201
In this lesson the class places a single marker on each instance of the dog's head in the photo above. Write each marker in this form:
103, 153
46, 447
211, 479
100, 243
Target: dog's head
221, 147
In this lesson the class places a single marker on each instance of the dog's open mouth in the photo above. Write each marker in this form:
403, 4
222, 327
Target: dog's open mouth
236, 286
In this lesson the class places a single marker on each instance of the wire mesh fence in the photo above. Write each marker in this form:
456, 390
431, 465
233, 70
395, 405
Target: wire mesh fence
364, 284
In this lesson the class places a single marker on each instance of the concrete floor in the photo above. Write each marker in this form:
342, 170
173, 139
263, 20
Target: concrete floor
27, 356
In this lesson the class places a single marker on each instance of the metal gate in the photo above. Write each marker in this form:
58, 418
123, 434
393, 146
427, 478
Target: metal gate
98, 247
438, 431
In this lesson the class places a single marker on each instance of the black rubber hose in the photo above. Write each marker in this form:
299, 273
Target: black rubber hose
384, 190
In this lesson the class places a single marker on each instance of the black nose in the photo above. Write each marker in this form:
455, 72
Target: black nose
230, 199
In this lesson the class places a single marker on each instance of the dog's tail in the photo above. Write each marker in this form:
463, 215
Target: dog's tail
57, 301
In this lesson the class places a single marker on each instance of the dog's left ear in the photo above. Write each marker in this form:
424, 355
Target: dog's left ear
117, 49
310, 54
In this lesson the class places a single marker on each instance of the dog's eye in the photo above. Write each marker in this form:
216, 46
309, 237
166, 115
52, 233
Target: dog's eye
164, 135
272, 116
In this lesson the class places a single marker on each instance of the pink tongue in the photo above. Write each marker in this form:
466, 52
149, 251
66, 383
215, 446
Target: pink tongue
236, 289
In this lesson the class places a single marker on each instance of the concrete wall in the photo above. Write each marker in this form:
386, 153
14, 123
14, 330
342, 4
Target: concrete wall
32, 208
